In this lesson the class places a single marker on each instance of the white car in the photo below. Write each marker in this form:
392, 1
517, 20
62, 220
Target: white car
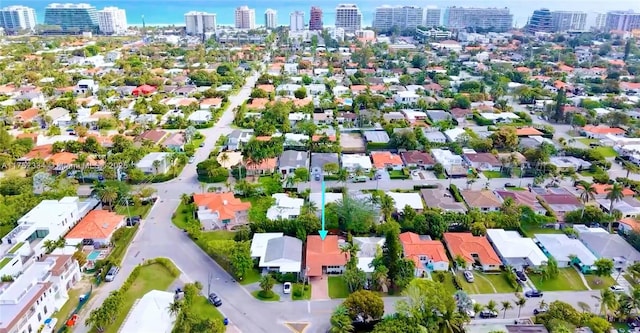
617, 289
286, 288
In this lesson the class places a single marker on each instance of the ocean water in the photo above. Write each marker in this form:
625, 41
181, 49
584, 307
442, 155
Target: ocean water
172, 11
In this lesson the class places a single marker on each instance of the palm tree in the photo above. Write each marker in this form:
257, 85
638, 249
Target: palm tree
587, 193
452, 322
49, 245
156, 166
342, 175
308, 207
477, 307
174, 308
614, 194
80, 162
290, 182
266, 283
109, 195
492, 305
203, 187
352, 249
224, 158
584, 307
608, 301
387, 206
506, 305
630, 167
520, 302
461, 262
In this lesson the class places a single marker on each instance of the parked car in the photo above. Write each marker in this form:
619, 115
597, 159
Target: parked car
488, 314
286, 288
111, 274
468, 275
201, 145
360, 179
540, 310
215, 300
521, 276
533, 293
317, 176
509, 185
617, 288
192, 159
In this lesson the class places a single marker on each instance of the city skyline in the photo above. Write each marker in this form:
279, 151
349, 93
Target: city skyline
173, 11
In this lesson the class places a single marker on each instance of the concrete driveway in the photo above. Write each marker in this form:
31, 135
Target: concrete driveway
319, 288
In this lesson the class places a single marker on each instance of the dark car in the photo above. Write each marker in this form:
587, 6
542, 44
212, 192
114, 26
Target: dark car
214, 299
521, 276
533, 293
488, 314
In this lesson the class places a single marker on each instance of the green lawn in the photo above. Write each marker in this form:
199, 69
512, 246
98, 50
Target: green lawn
599, 282
152, 277
121, 245
494, 174
568, 279
337, 287
274, 296
587, 141
203, 309
15, 248
606, 151
306, 293
196, 142
485, 283
142, 210
252, 276
448, 284
531, 230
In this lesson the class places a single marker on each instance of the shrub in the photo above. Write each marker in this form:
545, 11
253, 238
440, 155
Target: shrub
456, 193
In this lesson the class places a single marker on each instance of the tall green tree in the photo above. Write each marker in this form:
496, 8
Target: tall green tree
614, 194
340, 321
365, 305
240, 259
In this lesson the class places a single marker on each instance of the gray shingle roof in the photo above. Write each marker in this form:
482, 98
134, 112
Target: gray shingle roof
284, 247
294, 159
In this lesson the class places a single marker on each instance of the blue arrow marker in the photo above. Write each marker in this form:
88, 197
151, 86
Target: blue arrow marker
322, 232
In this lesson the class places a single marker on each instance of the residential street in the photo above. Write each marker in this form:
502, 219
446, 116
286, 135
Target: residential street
158, 237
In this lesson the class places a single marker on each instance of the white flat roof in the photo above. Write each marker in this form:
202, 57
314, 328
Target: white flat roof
414, 200
316, 198
150, 314
259, 243
352, 160
562, 248
510, 244
147, 161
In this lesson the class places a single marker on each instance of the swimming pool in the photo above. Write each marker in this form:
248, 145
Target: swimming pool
94, 255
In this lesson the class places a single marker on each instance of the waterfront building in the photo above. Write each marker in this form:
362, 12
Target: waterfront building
16, 18
402, 17
562, 21
245, 18
348, 18
199, 23
112, 20
315, 19
270, 19
296, 21
72, 18
494, 19
540, 21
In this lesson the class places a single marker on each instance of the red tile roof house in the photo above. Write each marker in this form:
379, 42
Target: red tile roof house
324, 256
386, 160
264, 167
217, 210
475, 250
523, 198
427, 255
96, 228
561, 203
600, 132
483, 161
418, 159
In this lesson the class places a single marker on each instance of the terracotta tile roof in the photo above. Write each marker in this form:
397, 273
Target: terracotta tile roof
525, 198
414, 247
560, 199
631, 222
565, 68
98, 224
43, 152
258, 103
602, 189
358, 88
267, 87
483, 158
32, 136
630, 85
62, 158
483, 198
323, 253
28, 114
266, 164
102, 140
603, 129
417, 157
466, 245
152, 135
211, 101
382, 159
225, 204
7, 89
527, 131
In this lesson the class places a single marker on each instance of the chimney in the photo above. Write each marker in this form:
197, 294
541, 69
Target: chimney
225, 202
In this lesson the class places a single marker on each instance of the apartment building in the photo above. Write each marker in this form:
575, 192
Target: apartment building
348, 18
72, 18
270, 19
296, 21
199, 23
315, 19
562, 21
112, 20
432, 17
495, 19
625, 21
245, 18
16, 18
403, 17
